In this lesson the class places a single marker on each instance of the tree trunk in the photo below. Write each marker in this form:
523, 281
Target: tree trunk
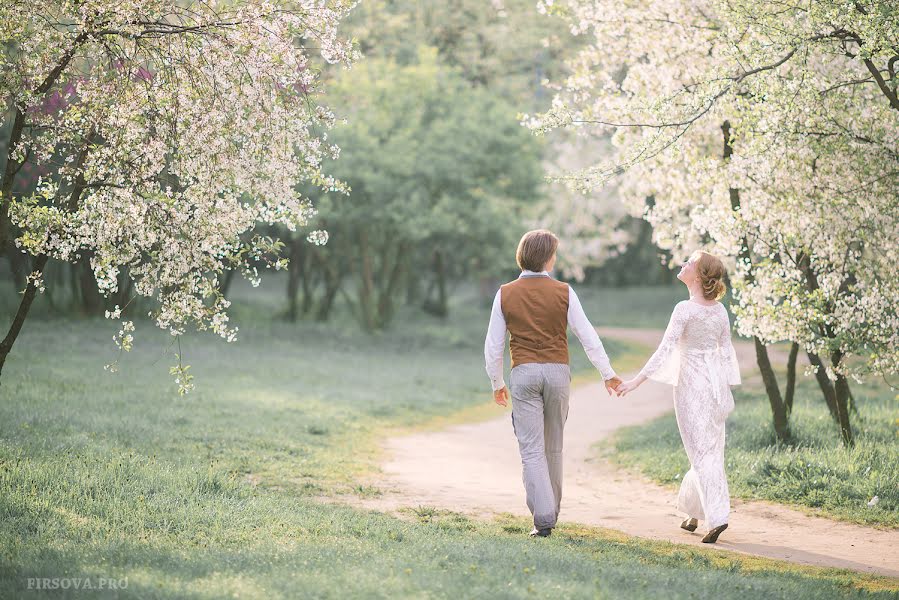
438, 307
778, 408
332, 286
835, 394
9, 176
791, 378
826, 386
52, 278
366, 284
841, 393
225, 283
74, 285
18, 263
294, 276
306, 281
440, 272
385, 300
91, 299
413, 284
24, 306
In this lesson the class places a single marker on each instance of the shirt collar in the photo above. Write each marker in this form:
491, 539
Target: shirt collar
526, 273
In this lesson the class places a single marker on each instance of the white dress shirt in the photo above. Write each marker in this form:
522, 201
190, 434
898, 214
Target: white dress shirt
495, 345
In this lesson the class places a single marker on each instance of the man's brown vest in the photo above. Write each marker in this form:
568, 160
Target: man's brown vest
536, 313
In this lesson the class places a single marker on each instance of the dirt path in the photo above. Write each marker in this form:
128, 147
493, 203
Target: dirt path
475, 468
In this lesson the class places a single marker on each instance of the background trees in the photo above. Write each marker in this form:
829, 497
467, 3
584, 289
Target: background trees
767, 134
440, 173
445, 172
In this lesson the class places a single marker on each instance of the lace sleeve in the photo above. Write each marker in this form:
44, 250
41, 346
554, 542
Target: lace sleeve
664, 364
729, 363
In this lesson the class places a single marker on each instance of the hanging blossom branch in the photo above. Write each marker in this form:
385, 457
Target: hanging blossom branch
181, 127
814, 153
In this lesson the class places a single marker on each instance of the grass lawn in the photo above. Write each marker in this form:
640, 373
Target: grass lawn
814, 472
219, 492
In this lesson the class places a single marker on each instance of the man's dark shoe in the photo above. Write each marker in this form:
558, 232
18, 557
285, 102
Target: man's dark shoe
541, 532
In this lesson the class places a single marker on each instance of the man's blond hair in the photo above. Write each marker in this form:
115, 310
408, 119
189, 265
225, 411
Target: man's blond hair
535, 249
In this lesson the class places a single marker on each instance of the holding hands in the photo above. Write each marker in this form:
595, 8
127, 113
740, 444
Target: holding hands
629, 386
612, 385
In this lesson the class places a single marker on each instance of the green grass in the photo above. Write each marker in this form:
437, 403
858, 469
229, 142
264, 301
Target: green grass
220, 493
313, 396
174, 533
813, 472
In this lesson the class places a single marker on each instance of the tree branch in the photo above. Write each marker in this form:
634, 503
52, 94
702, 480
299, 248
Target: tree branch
890, 94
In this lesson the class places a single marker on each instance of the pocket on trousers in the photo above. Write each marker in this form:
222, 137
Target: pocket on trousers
512, 374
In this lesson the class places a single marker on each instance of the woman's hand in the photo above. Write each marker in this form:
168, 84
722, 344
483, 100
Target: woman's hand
628, 386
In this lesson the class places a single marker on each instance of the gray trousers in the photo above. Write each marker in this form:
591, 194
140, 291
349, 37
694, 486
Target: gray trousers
539, 411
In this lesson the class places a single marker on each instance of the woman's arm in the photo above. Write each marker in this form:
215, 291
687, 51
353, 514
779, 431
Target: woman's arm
668, 345
728, 355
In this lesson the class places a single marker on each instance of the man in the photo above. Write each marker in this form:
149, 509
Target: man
537, 310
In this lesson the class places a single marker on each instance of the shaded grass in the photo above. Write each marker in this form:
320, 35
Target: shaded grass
183, 532
813, 472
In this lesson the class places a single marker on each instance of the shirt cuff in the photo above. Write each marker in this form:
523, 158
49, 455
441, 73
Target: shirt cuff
606, 375
498, 385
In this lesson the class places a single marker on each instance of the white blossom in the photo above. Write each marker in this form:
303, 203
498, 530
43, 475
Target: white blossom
170, 130
807, 205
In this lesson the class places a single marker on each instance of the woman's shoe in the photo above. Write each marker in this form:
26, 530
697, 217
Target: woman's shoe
712, 536
689, 524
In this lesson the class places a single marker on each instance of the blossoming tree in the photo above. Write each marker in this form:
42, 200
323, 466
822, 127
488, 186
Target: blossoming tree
168, 131
768, 133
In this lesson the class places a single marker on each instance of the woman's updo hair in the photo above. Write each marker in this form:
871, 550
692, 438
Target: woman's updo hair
711, 276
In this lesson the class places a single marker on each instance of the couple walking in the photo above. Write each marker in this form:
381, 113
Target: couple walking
695, 355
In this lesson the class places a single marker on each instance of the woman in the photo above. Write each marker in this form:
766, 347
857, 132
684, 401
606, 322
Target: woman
697, 357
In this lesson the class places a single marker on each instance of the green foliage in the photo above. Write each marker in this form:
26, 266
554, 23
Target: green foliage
497, 45
814, 472
439, 172
428, 156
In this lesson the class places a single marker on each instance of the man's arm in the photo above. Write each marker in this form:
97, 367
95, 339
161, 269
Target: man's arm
494, 348
589, 339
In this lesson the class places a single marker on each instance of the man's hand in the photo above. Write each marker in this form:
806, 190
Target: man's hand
612, 384
501, 396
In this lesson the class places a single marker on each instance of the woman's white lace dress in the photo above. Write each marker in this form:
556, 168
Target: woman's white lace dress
697, 357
